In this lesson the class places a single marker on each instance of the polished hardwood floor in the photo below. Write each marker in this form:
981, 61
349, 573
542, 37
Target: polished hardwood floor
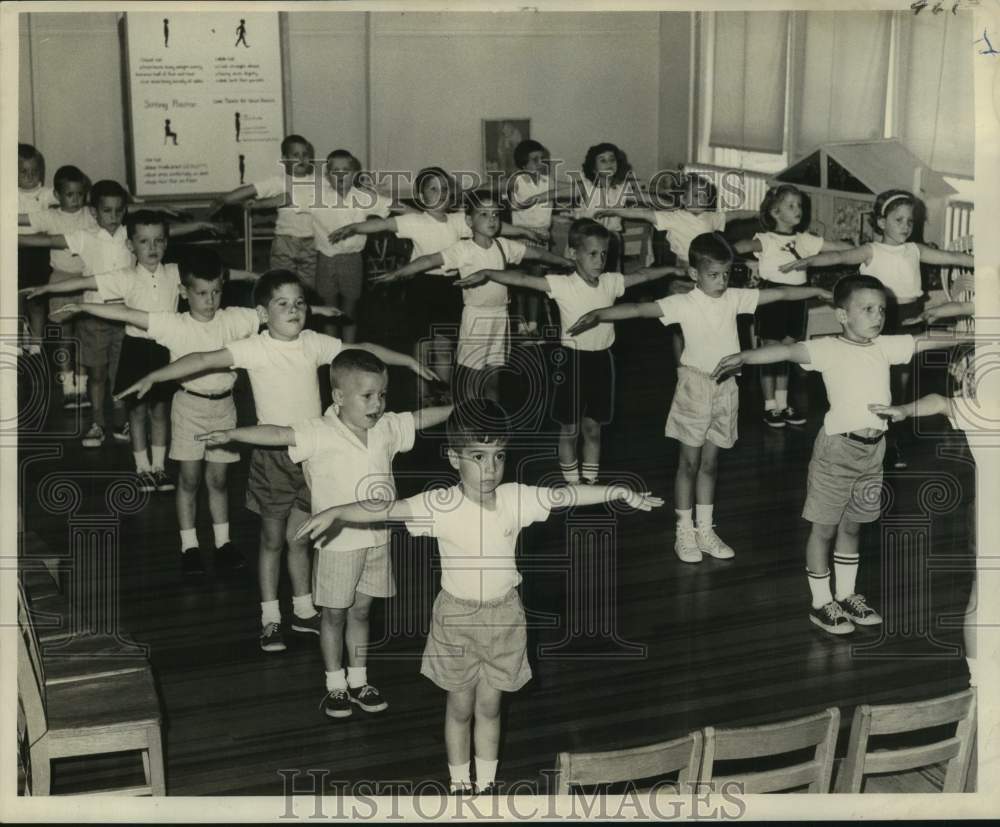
628, 645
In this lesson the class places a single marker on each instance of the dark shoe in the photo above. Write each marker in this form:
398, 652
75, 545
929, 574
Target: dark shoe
191, 564
271, 638
774, 419
899, 459
368, 698
461, 788
306, 624
490, 789
146, 481
123, 434
857, 610
163, 483
337, 704
793, 417
94, 438
231, 557
831, 618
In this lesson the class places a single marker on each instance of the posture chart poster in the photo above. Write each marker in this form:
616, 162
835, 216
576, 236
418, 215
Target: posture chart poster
205, 100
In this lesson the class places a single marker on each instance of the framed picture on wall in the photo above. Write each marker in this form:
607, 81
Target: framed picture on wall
500, 136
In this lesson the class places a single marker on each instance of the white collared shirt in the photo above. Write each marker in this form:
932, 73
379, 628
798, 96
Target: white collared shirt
339, 211
709, 324
431, 236
340, 469
141, 289
575, 297
683, 226
538, 216
59, 222
294, 218
468, 257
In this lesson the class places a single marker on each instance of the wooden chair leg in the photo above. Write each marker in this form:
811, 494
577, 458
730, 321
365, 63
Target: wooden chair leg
153, 762
41, 771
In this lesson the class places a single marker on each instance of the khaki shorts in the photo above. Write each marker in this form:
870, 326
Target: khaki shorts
276, 485
296, 254
703, 410
470, 641
845, 480
192, 415
338, 276
339, 575
483, 339
100, 344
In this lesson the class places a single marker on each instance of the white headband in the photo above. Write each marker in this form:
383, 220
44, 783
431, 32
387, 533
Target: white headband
885, 206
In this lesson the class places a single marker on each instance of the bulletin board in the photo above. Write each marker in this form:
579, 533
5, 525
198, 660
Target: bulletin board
204, 100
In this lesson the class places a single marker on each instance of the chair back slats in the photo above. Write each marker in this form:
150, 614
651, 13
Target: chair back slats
681, 755
899, 760
770, 781
895, 718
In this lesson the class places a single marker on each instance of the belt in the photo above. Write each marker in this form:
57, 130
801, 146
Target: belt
866, 440
213, 396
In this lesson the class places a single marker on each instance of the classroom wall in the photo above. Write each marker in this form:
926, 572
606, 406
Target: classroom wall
581, 78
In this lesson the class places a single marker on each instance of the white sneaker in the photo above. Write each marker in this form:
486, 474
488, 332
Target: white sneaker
686, 546
711, 544
94, 438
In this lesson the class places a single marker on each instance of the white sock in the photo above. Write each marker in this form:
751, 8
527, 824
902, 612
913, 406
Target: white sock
189, 538
68, 383
486, 772
571, 473
221, 532
684, 518
781, 399
141, 461
770, 405
459, 773
973, 677
270, 612
357, 676
845, 571
589, 471
302, 605
159, 457
819, 587
703, 516
81, 383
335, 680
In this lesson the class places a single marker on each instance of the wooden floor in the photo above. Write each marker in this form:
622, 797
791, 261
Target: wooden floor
628, 644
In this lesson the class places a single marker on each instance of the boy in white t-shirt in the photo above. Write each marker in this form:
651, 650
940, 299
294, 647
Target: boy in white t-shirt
281, 363
845, 473
294, 190
477, 647
585, 382
483, 341
347, 454
703, 413
32, 265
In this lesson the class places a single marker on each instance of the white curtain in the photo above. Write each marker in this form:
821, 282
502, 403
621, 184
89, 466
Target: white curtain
840, 67
748, 89
937, 114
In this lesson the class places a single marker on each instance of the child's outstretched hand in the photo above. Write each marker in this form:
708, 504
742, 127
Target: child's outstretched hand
798, 264
425, 372
33, 292
317, 525
60, 314
473, 280
538, 236
896, 413
825, 296
140, 389
585, 322
640, 500
341, 233
329, 311
214, 437
728, 365
385, 278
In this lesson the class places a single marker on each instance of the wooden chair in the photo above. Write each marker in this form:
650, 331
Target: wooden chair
636, 240
819, 731
682, 755
869, 721
118, 713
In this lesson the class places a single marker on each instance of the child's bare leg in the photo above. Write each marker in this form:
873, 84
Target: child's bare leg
188, 482
688, 463
422, 352
159, 417
272, 541
331, 638
591, 450
487, 727
443, 363
707, 472
356, 635
218, 495
845, 558
137, 431
97, 389
299, 560
567, 454
36, 309
458, 725
348, 302
818, 546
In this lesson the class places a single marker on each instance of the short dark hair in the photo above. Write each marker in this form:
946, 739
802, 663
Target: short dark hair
773, 197
201, 263
710, 247
286, 144
477, 420
480, 198
343, 153
584, 228
590, 162
28, 152
849, 285
708, 193
524, 149
270, 283
106, 188
354, 360
68, 175
441, 174
146, 218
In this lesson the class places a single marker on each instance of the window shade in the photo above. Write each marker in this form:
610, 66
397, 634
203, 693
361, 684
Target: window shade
840, 67
937, 115
748, 88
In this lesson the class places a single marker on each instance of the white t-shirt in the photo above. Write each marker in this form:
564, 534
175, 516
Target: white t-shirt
58, 222
897, 267
431, 236
337, 212
283, 374
538, 216
856, 375
32, 201
101, 252
709, 324
575, 297
294, 219
468, 257
340, 469
477, 546
776, 250
593, 199
682, 227
182, 334
142, 290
